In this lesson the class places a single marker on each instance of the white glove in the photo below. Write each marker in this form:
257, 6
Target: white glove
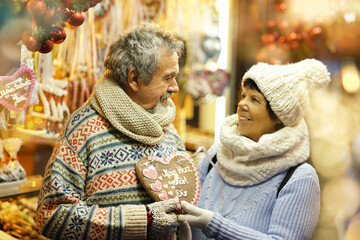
162, 221
184, 232
196, 217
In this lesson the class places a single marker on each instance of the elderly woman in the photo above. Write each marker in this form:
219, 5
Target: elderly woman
266, 140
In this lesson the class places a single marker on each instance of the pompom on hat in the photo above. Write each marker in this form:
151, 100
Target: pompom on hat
286, 87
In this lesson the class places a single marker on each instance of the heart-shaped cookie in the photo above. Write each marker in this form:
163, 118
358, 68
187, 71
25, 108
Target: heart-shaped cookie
16, 90
176, 175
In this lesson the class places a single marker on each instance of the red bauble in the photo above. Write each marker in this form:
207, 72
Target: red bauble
86, 8
64, 13
50, 17
57, 34
47, 46
77, 19
30, 42
36, 8
97, 1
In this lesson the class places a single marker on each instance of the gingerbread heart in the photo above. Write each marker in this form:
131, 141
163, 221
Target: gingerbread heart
173, 176
16, 90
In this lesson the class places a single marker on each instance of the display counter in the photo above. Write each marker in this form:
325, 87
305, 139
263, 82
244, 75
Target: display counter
18, 203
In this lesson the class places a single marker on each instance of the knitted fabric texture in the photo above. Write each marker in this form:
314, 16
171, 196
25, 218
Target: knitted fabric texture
286, 87
130, 118
254, 212
163, 219
90, 188
243, 162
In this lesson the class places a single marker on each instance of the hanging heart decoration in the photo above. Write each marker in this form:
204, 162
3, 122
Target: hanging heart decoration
217, 80
176, 175
16, 90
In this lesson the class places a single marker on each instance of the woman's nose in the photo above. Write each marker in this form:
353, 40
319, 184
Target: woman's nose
242, 106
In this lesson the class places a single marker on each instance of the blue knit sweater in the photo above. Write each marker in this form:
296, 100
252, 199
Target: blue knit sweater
254, 212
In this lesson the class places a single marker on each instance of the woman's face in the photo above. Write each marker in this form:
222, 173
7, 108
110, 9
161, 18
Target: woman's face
254, 119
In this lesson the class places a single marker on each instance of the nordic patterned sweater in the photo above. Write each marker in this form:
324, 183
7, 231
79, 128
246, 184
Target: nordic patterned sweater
254, 212
90, 179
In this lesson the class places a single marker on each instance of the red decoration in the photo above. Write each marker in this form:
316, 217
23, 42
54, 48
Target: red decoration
48, 24
47, 46
65, 13
57, 34
77, 19
36, 8
30, 42
50, 17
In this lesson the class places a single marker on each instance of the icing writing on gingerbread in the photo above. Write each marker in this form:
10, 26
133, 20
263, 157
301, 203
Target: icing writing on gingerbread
178, 181
181, 193
183, 170
168, 173
15, 86
179, 170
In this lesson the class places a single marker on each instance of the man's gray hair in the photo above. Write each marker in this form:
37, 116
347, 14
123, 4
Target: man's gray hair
140, 49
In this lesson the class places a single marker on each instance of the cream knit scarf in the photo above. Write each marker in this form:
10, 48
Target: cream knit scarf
243, 162
112, 103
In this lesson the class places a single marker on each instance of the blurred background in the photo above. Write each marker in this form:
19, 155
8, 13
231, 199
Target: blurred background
223, 38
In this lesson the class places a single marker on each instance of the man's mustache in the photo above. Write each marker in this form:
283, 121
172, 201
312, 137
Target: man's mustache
166, 96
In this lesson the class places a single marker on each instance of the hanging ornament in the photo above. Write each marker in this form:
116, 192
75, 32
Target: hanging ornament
57, 34
64, 13
77, 19
50, 17
30, 41
36, 8
47, 47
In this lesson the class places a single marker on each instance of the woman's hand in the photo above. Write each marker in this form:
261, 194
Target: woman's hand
196, 217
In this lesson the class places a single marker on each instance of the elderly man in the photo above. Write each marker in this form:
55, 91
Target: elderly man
90, 188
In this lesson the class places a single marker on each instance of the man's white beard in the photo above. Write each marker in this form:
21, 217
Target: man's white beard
161, 107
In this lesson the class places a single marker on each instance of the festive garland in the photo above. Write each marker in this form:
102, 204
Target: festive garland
48, 21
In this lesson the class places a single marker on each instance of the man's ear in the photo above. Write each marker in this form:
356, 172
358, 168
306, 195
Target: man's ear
133, 80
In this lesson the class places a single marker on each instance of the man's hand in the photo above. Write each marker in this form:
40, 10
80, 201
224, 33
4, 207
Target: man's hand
196, 217
162, 220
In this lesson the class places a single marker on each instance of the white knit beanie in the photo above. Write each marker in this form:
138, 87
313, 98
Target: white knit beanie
286, 87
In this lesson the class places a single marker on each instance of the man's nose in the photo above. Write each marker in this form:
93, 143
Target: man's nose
173, 88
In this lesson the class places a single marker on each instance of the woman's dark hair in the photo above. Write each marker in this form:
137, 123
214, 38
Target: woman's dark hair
252, 85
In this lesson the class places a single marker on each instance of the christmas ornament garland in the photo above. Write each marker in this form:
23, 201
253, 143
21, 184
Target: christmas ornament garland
48, 21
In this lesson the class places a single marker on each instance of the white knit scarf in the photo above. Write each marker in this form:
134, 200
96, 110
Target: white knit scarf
112, 103
243, 162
